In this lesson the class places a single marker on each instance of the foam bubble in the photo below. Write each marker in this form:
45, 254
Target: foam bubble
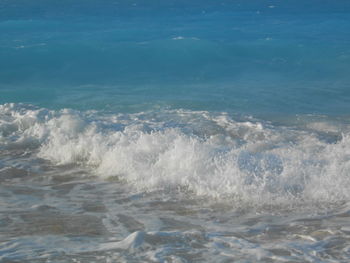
207, 154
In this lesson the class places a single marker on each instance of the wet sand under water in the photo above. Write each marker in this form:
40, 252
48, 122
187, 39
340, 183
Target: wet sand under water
65, 215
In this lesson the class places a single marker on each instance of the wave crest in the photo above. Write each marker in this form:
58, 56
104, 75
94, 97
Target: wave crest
205, 153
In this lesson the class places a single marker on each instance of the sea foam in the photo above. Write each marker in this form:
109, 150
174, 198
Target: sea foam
206, 154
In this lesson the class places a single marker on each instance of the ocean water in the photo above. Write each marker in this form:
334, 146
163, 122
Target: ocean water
174, 131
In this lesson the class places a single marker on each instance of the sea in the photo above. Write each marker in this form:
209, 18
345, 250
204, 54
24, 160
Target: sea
174, 131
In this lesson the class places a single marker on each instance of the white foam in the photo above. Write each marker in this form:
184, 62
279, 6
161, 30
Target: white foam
178, 38
207, 154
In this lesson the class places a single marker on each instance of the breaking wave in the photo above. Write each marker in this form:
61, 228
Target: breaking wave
214, 155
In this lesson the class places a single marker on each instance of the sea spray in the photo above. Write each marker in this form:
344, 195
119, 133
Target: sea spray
248, 160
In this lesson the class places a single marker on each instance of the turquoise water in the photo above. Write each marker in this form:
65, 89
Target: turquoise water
229, 56
174, 131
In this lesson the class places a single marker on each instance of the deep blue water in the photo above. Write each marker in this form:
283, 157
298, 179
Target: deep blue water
286, 57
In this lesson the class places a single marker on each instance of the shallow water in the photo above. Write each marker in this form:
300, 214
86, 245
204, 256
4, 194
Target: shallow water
55, 217
74, 220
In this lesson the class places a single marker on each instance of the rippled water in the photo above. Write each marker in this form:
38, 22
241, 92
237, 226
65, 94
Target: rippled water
57, 216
